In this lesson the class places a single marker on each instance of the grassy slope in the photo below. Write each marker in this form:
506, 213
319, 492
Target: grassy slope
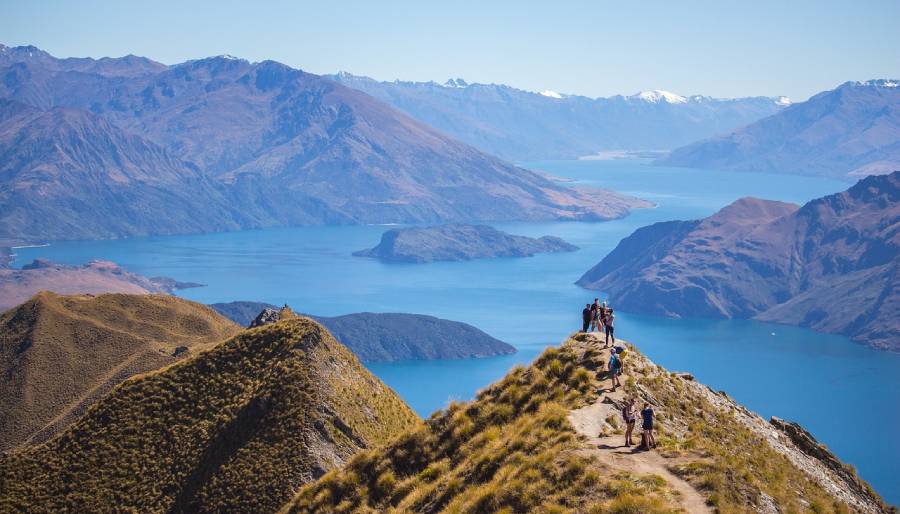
235, 429
59, 354
513, 450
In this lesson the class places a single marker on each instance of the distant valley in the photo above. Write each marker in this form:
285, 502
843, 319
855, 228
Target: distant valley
831, 265
527, 126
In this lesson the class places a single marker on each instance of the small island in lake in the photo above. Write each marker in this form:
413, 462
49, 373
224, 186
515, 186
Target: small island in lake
458, 242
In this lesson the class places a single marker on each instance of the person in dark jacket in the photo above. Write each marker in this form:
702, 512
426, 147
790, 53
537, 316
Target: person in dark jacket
586, 318
647, 439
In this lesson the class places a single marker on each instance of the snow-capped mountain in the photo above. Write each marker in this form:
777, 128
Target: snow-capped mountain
658, 95
525, 125
852, 130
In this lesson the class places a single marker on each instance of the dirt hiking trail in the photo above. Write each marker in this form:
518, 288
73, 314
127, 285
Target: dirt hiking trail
610, 450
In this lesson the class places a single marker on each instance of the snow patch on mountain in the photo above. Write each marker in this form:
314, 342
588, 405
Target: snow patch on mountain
783, 101
551, 94
658, 95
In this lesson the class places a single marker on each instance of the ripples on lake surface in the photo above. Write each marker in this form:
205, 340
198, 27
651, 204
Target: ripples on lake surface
848, 396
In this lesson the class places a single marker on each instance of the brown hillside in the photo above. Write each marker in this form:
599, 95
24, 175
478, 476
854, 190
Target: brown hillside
60, 354
548, 439
238, 428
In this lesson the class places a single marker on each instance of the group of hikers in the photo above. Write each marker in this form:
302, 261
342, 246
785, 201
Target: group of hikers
629, 415
600, 317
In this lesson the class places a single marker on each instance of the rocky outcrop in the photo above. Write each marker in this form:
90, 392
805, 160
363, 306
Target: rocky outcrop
95, 277
853, 130
806, 443
268, 315
831, 265
381, 337
458, 242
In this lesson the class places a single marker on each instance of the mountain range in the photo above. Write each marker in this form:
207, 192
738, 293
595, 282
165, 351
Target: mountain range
527, 126
850, 131
832, 265
126, 146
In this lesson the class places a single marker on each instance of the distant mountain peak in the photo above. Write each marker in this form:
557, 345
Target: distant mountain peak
458, 82
783, 101
889, 83
659, 95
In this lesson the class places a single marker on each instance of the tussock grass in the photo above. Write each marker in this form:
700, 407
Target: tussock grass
60, 354
235, 429
728, 462
511, 450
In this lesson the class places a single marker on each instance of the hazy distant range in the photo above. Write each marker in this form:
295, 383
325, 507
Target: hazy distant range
523, 125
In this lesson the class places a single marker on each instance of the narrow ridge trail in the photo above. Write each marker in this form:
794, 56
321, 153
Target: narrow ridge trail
590, 420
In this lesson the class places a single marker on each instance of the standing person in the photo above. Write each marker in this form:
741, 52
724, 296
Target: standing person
586, 317
615, 367
647, 426
629, 417
595, 315
610, 327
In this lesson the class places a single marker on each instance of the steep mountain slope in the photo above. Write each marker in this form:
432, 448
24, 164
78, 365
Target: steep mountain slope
288, 147
852, 130
521, 125
95, 277
383, 337
831, 265
60, 354
237, 428
70, 174
529, 444
458, 242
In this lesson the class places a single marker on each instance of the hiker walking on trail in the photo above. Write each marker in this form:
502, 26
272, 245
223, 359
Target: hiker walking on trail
586, 317
629, 417
647, 439
595, 315
610, 327
615, 369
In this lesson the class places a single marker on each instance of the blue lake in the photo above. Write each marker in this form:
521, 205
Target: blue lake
847, 395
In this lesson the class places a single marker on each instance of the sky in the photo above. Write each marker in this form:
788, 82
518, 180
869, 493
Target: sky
719, 48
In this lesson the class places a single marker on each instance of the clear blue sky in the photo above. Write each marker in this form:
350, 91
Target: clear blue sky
596, 48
